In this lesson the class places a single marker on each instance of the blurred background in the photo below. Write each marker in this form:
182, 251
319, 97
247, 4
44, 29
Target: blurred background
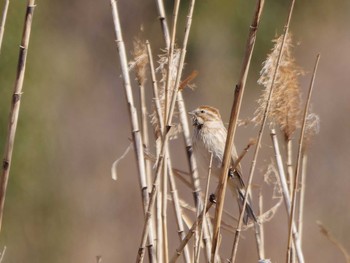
62, 204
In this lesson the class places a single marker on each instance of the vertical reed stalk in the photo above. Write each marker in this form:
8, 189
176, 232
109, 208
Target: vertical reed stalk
137, 141
285, 192
200, 225
15, 105
289, 164
233, 123
164, 190
261, 238
204, 211
299, 156
163, 22
302, 196
186, 132
263, 123
178, 212
170, 60
3, 21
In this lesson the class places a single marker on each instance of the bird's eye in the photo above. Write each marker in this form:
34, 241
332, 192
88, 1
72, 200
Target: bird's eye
202, 111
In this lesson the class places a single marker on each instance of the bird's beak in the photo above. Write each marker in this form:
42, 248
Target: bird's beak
191, 113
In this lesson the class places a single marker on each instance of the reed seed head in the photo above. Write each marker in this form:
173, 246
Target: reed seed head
140, 60
285, 109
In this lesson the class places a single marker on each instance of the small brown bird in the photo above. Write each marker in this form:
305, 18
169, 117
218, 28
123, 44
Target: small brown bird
209, 137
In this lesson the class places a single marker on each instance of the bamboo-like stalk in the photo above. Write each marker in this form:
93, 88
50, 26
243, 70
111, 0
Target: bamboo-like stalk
289, 164
200, 225
204, 211
299, 156
164, 222
285, 192
178, 212
259, 229
302, 196
165, 119
15, 105
161, 127
263, 124
3, 21
173, 190
137, 141
163, 22
159, 233
170, 60
182, 59
186, 134
144, 132
233, 123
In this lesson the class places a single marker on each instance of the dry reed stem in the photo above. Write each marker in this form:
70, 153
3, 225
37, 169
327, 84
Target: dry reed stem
137, 141
15, 105
163, 22
333, 240
159, 115
260, 237
233, 124
200, 225
141, 61
170, 59
285, 192
173, 190
186, 131
299, 156
302, 196
160, 164
178, 212
207, 208
263, 124
164, 189
165, 119
182, 59
289, 164
3, 21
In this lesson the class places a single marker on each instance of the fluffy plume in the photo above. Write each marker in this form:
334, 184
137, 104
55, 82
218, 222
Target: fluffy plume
140, 61
285, 102
162, 69
312, 128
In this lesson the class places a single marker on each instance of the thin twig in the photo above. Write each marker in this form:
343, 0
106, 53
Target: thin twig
298, 164
333, 240
15, 105
138, 146
200, 225
3, 21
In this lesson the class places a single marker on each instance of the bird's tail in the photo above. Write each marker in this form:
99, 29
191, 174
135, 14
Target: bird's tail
238, 189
